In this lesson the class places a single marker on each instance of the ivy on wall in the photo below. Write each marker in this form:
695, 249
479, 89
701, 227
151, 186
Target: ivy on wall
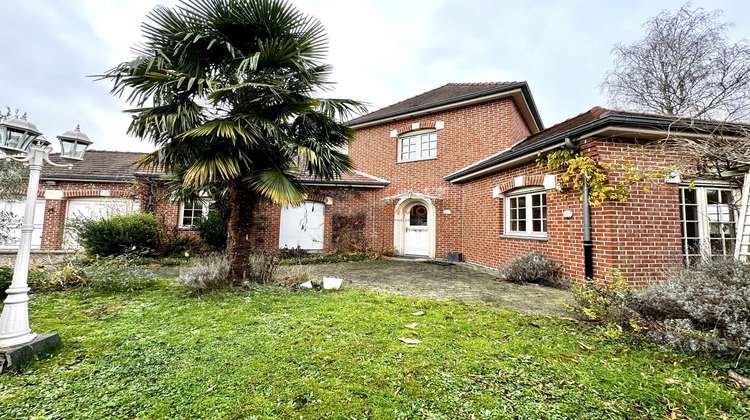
578, 167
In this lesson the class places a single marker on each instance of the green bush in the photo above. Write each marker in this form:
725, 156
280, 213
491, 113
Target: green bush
6, 278
213, 230
125, 234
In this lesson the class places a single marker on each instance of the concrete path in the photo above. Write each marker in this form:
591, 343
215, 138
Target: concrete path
443, 281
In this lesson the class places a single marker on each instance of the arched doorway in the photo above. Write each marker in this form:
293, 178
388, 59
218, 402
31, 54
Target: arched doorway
414, 227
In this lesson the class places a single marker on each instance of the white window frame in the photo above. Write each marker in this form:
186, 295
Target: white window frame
704, 221
204, 208
421, 144
527, 194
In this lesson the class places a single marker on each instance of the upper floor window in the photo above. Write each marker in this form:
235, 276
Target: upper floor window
708, 222
192, 212
526, 213
418, 146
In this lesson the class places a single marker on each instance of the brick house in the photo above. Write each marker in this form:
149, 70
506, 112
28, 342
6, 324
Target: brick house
454, 170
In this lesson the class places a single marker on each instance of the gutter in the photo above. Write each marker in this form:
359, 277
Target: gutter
79, 178
580, 131
346, 184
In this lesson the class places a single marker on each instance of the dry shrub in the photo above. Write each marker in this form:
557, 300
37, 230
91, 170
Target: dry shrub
537, 268
206, 274
346, 233
262, 267
293, 277
705, 307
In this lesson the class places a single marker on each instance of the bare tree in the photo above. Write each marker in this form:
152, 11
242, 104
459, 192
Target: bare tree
683, 66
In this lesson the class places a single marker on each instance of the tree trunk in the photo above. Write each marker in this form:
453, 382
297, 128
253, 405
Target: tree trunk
240, 229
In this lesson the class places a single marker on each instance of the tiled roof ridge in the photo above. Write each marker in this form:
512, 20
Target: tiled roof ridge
478, 84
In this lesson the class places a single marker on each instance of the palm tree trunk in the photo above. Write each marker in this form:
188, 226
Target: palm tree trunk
240, 229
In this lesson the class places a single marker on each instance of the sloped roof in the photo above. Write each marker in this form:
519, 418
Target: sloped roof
594, 120
450, 93
97, 165
102, 165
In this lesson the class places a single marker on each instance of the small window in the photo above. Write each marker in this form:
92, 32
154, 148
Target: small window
418, 146
191, 213
418, 216
526, 213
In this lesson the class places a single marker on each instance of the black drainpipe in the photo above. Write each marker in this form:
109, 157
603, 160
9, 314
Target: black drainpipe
588, 244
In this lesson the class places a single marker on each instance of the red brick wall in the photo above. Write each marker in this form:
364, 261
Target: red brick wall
344, 202
471, 133
640, 237
56, 210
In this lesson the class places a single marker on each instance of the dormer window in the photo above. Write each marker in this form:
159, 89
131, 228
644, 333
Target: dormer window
418, 146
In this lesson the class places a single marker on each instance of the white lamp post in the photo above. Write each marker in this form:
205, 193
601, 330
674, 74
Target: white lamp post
23, 142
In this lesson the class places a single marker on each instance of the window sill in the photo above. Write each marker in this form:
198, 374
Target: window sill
417, 160
186, 228
528, 238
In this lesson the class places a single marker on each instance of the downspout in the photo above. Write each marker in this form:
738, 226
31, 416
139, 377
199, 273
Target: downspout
588, 244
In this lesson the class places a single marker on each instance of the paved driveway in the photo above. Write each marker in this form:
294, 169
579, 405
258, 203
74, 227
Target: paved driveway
443, 281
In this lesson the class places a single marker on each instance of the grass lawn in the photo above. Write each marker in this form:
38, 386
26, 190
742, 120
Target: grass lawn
270, 353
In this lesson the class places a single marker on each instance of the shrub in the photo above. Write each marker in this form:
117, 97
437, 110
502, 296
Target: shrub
603, 303
170, 243
705, 307
213, 230
535, 267
66, 278
123, 234
206, 274
346, 233
6, 278
262, 267
293, 277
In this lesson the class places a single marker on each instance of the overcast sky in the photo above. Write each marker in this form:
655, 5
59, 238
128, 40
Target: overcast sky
382, 51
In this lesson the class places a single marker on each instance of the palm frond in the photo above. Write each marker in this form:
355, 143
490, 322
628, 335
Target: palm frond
277, 186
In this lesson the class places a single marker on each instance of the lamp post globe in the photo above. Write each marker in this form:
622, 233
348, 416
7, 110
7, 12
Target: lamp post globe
20, 140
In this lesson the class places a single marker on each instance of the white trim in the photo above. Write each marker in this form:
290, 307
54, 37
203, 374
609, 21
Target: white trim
401, 218
417, 135
204, 212
526, 192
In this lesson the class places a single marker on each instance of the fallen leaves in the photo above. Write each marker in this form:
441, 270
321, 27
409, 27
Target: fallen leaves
571, 358
418, 313
409, 340
672, 381
583, 346
412, 325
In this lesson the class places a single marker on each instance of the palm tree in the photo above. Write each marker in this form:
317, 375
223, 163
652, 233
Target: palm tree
226, 89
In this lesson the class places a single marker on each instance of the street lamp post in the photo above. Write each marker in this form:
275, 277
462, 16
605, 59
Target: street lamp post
20, 140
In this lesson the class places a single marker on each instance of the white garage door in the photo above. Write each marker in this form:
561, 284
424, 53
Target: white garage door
95, 208
303, 226
12, 218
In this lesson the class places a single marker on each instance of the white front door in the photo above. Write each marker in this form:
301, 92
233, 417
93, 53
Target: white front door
95, 208
303, 227
417, 240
